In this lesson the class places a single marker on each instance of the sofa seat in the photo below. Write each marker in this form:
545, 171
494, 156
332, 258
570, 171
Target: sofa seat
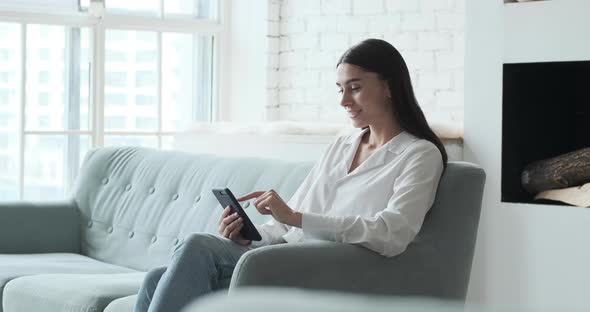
125, 304
17, 265
69, 292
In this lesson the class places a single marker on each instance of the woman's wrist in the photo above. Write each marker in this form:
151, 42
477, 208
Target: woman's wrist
296, 219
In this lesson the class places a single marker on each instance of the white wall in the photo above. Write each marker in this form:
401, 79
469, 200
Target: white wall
282, 55
314, 34
531, 255
243, 90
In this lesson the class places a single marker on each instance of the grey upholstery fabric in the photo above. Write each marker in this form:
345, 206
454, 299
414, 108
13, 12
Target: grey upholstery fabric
39, 227
255, 299
69, 292
15, 266
297, 300
137, 203
437, 263
125, 304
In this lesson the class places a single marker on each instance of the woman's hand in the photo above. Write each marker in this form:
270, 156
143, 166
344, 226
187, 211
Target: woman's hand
230, 226
269, 202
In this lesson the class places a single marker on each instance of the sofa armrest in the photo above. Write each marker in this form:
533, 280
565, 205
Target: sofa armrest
40, 227
330, 266
256, 299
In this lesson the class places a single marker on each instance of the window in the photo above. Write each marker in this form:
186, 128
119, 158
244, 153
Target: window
145, 79
5, 77
44, 77
145, 100
5, 55
43, 99
116, 56
45, 54
116, 79
116, 123
5, 96
153, 74
117, 99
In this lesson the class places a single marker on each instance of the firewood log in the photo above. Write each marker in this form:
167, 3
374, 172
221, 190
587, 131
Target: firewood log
577, 196
567, 170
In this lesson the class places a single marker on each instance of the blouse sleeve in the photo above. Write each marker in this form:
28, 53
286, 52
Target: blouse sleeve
272, 231
391, 230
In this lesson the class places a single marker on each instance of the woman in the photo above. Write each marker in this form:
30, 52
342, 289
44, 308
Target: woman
391, 168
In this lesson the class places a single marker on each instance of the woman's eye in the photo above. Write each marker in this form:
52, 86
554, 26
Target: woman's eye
340, 90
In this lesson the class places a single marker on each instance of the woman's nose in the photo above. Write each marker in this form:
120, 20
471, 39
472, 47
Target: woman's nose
345, 99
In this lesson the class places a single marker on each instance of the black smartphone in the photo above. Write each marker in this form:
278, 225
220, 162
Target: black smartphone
226, 198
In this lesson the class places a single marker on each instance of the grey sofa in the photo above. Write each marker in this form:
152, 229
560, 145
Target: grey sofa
131, 206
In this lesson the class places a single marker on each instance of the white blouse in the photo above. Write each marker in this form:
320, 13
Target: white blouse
380, 205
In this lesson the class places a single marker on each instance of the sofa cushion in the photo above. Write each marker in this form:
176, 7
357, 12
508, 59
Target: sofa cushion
69, 292
137, 203
125, 304
14, 266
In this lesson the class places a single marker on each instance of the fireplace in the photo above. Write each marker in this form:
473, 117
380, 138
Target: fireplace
546, 113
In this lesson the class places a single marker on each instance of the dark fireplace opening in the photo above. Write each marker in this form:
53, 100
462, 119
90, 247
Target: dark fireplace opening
545, 114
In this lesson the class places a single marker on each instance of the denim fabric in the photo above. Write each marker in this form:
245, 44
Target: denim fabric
201, 264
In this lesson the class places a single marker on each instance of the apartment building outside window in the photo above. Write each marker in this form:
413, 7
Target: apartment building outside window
98, 74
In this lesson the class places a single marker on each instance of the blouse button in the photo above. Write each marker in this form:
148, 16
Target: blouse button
197, 198
110, 229
105, 181
128, 187
90, 224
152, 190
246, 204
175, 197
131, 234
154, 239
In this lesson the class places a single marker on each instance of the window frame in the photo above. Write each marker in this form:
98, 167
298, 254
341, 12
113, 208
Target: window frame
97, 27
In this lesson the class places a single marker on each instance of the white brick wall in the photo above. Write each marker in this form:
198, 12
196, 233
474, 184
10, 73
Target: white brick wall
273, 63
306, 38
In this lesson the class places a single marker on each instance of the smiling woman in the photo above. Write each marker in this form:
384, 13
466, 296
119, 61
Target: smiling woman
389, 96
371, 189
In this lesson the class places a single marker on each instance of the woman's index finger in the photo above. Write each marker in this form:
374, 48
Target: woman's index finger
251, 195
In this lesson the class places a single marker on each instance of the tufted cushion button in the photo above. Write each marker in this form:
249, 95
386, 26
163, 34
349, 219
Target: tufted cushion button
131, 234
152, 190
197, 198
90, 224
105, 181
175, 241
110, 229
128, 187
175, 197
154, 239
246, 204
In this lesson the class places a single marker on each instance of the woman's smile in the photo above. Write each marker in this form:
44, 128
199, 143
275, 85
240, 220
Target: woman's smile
353, 113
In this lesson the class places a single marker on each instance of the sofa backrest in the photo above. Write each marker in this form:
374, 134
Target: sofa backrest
136, 204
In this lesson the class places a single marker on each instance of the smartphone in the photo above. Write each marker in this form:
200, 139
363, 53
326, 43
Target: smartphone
226, 198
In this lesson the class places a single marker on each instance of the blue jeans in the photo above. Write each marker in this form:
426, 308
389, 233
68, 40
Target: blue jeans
201, 264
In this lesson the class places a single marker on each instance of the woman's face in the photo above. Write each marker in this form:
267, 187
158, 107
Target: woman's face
363, 95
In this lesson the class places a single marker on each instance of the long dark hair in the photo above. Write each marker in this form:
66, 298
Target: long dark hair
380, 57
